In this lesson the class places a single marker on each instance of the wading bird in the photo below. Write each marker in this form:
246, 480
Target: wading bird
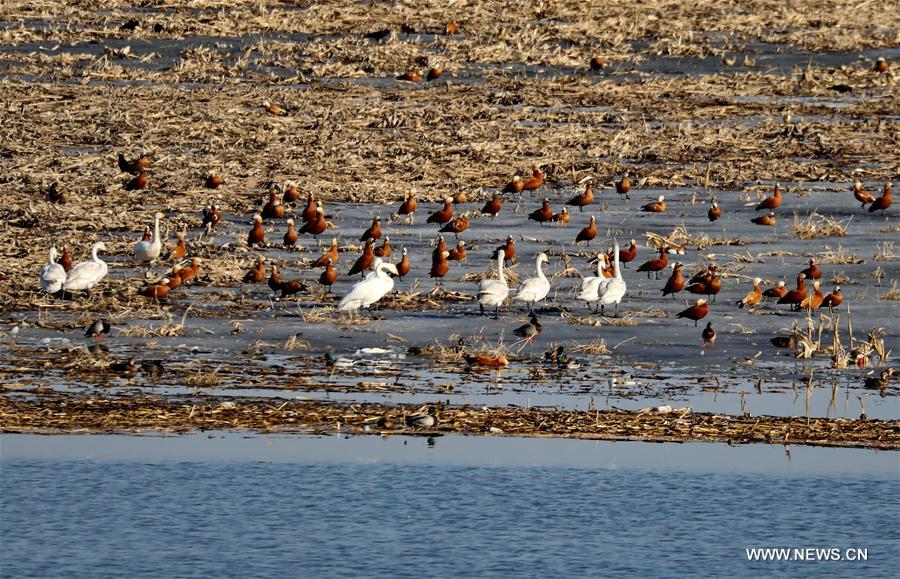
536, 288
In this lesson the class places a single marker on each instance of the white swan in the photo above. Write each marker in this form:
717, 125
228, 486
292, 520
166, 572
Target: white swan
615, 289
534, 289
373, 271
53, 275
371, 289
148, 251
593, 286
493, 292
87, 274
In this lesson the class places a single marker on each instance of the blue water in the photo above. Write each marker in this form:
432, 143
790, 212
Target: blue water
138, 514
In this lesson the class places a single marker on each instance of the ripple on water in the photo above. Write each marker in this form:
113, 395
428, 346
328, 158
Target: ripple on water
241, 517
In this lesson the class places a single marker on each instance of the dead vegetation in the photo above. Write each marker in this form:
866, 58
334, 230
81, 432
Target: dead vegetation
810, 342
510, 273
839, 256
149, 330
65, 414
596, 348
680, 238
884, 251
893, 294
69, 109
366, 134
816, 226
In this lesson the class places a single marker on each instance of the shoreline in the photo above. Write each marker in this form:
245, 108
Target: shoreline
98, 415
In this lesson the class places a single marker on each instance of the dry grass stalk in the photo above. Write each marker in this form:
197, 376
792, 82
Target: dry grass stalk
621, 322
885, 251
839, 256
321, 315
146, 330
876, 341
841, 278
840, 358
296, 343
596, 348
202, 378
816, 226
510, 273
893, 294
681, 237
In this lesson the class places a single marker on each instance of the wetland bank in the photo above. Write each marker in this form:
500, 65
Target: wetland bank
690, 112
231, 423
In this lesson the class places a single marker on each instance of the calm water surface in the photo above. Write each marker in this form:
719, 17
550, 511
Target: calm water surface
235, 506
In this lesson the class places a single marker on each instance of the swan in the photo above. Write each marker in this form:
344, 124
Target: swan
593, 286
53, 275
148, 251
493, 292
371, 289
615, 289
87, 274
534, 289
373, 272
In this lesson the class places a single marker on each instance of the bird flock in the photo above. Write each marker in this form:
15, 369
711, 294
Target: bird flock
606, 287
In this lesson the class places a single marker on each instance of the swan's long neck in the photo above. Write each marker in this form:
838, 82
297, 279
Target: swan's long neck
94, 254
156, 229
616, 262
540, 272
53, 255
501, 257
599, 266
